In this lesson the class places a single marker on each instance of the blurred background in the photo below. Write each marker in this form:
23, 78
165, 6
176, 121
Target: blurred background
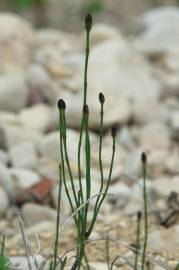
68, 15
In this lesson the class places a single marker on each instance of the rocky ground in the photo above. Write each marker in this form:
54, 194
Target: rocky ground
139, 76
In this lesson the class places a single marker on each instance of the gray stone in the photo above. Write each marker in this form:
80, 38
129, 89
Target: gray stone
36, 262
143, 114
161, 31
165, 240
15, 133
13, 92
23, 179
104, 32
38, 78
126, 139
119, 194
164, 185
154, 136
171, 162
33, 214
37, 118
132, 164
16, 42
24, 155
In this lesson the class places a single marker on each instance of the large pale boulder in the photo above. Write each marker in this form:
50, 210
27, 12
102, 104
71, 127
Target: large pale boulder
160, 31
16, 42
13, 92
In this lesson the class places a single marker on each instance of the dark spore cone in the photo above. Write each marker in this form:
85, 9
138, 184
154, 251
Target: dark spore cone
113, 132
85, 109
88, 22
61, 104
139, 215
144, 157
101, 98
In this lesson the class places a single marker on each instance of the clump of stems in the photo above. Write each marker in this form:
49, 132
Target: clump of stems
81, 196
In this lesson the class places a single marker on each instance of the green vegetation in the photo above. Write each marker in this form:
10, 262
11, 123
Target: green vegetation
3, 260
21, 4
95, 6
82, 196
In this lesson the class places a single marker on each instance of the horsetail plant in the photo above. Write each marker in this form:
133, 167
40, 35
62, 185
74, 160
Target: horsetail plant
81, 197
144, 169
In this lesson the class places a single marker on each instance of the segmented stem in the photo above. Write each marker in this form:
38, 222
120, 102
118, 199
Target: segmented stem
67, 159
100, 157
88, 163
86, 67
137, 240
58, 218
144, 167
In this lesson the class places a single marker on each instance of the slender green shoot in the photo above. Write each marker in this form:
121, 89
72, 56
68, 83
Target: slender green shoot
87, 150
67, 159
144, 169
88, 25
102, 100
62, 107
138, 230
3, 260
58, 219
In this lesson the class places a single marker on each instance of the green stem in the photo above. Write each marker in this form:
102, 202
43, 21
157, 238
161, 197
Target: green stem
144, 163
88, 175
63, 166
79, 161
137, 240
86, 67
58, 218
100, 157
67, 160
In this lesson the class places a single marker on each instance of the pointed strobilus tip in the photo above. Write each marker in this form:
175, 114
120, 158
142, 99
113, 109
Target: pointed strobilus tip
61, 104
139, 215
113, 132
144, 158
85, 109
88, 22
101, 98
